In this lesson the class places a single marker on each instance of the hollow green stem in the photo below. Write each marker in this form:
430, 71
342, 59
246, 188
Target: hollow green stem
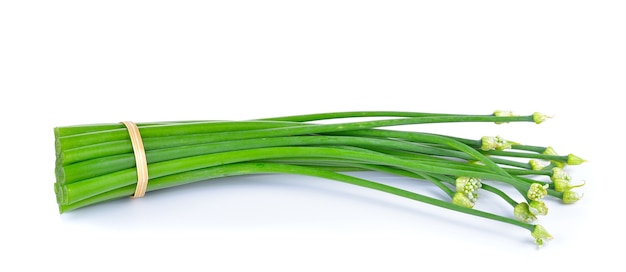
113, 142
104, 165
499, 193
69, 193
526, 155
256, 168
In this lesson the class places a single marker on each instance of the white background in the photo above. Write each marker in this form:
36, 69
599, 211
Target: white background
77, 62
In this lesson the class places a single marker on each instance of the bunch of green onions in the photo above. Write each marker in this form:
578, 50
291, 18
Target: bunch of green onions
96, 163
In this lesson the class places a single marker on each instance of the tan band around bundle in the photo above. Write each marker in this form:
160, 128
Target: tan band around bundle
140, 159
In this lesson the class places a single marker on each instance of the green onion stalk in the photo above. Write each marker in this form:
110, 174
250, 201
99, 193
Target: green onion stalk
95, 163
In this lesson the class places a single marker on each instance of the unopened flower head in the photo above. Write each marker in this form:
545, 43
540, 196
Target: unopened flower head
541, 235
540, 118
468, 184
562, 185
550, 151
537, 165
559, 173
522, 213
462, 200
570, 197
538, 207
574, 160
495, 143
501, 113
537, 191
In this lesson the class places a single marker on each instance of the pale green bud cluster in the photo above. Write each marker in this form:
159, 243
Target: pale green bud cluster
541, 235
570, 196
503, 114
550, 151
537, 191
562, 184
574, 160
559, 173
538, 207
528, 212
522, 213
462, 200
560, 179
537, 164
495, 143
540, 118
469, 187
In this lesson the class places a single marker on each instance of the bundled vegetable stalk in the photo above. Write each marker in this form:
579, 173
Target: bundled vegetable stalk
101, 162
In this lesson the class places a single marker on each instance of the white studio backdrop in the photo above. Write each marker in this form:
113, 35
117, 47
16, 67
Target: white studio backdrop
76, 62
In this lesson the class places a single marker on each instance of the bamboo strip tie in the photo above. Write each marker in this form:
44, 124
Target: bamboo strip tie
140, 159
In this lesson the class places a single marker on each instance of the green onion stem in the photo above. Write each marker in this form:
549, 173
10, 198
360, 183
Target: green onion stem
96, 163
116, 141
108, 164
73, 192
526, 155
257, 168
537, 149
353, 114
499, 193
